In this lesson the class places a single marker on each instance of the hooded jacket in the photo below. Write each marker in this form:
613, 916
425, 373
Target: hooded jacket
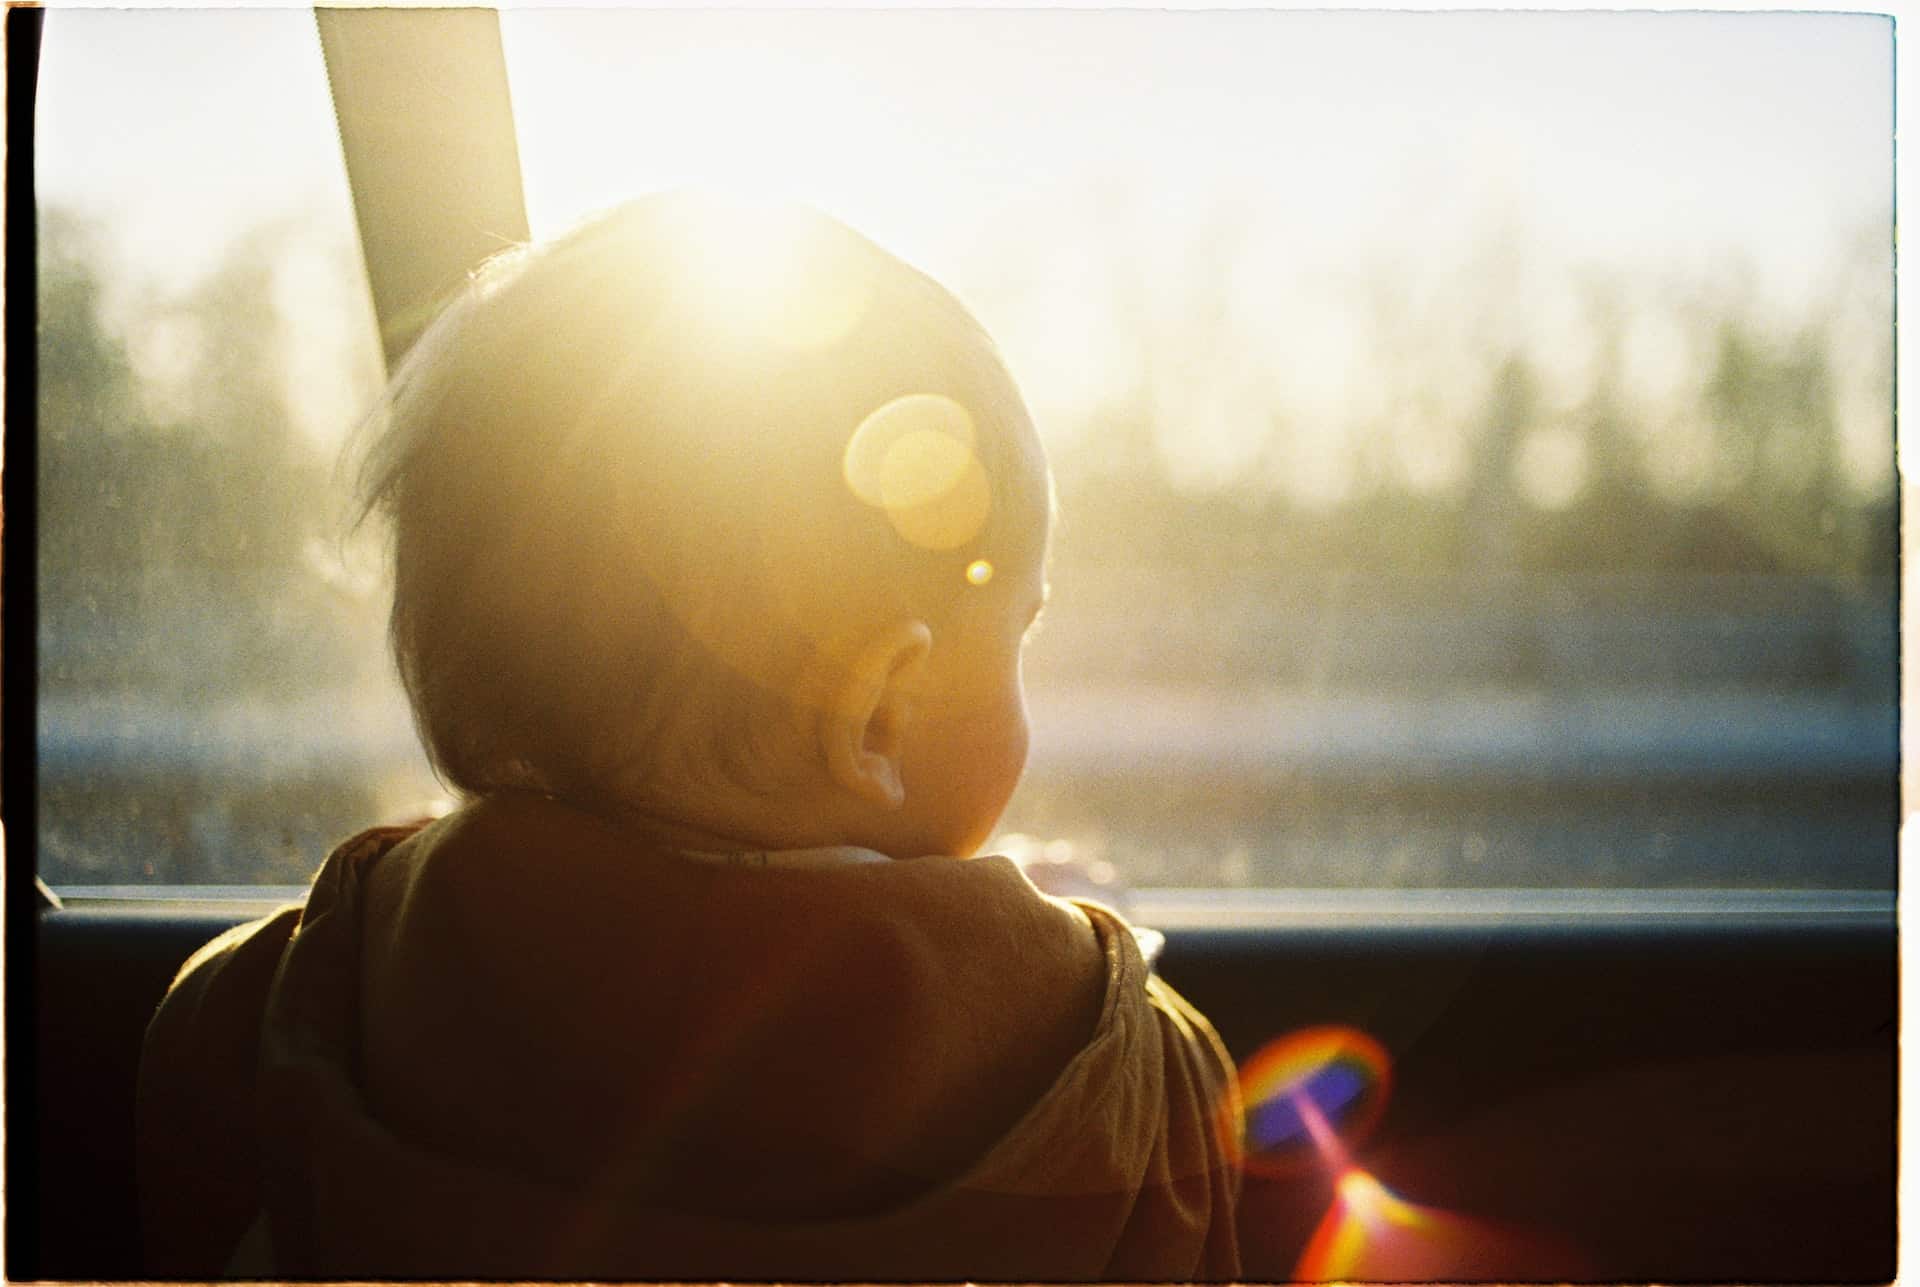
521, 1042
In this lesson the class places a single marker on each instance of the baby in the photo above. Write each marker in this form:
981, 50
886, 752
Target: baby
716, 531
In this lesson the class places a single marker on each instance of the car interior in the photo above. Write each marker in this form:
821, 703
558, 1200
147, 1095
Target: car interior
1535, 1078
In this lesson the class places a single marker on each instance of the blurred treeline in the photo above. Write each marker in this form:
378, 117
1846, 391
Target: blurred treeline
185, 522
187, 533
1765, 448
1776, 502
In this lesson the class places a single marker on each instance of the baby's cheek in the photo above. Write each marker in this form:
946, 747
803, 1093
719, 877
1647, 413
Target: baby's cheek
972, 764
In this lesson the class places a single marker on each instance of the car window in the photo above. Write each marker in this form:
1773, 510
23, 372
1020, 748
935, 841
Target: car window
1472, 472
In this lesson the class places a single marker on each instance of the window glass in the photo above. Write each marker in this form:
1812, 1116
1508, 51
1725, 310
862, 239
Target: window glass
214, 699
1473, 432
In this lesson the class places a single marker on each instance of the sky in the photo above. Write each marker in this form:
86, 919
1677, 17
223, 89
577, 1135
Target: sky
1625, 136
1628, 135
1024, 157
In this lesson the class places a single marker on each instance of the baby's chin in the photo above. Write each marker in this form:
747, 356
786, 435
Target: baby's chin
928, 840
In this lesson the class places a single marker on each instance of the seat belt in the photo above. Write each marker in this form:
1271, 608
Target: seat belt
426, 126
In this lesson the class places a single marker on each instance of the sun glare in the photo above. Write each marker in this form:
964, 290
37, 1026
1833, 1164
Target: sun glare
766, 272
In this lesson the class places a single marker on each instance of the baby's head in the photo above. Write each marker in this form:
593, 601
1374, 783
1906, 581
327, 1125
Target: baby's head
720, 516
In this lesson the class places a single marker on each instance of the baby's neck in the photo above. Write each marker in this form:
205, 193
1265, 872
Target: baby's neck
723, 836
672, 833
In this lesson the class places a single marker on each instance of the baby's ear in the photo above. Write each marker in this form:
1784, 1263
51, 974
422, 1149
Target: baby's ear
863, 729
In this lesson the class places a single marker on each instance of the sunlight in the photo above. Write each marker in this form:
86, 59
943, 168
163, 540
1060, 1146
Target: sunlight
764, 272
617, 103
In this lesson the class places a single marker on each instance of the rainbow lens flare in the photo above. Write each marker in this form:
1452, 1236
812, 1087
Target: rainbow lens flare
1310, 1097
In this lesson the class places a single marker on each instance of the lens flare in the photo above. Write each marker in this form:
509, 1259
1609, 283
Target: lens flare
921, 467
915, 458
1373, 1204
1370, 1232
979, 572
1311, 1096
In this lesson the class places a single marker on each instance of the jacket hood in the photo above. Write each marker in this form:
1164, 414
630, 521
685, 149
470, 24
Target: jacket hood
523, 1043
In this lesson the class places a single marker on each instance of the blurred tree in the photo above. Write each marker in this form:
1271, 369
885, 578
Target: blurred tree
172, 555
1491, 502
249, 495
89, 416
1776, 445
1616, 477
